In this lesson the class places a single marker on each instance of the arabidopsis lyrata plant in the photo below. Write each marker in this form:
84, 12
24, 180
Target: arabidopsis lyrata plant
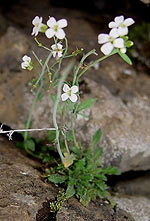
37, 22
122, 24
117, 37
57, 50
56, 28
78, 168
69, 93
27, 63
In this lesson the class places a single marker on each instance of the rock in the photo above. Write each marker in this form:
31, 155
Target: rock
24, 196
22, 192
95, 211
138, 207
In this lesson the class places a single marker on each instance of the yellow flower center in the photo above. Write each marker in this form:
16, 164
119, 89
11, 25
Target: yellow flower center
55, 28
69, 93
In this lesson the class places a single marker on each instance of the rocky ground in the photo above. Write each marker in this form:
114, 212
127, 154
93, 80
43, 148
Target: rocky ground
122, 111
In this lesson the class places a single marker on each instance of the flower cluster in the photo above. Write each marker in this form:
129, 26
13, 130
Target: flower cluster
70, 93
27, 63
117, 37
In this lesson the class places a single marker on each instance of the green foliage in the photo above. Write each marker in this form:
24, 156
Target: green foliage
57, 204
86, 104
125, 57
85, 178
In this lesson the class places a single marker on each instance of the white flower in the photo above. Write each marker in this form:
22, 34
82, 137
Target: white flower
57, 50
37, 22
55, 28
110, 41
121, 24
26, 62
69, 93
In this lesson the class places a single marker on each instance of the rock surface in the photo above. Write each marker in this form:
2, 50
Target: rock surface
24, 196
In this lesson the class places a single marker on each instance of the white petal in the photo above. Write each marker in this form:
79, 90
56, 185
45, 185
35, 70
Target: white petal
114, 33
103, 38
64, 97
26, 58
49, 33
122, 31
60, 34
53, 47
73, 97
66, 88
54, 54
107, 48
59, 46
36, 20
34, 31
129, 21
24, 64
74, 89
119, 43
119, 19
112, 24
123, 50
62, 23
51, 22
60, 54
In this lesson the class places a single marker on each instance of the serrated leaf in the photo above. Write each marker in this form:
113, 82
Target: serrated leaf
96, 137
57, 178
86, 104
70, 191
125, 57
29, 144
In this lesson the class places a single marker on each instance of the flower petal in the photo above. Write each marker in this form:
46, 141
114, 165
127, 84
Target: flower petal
112, 24
107, 48
60, 54
114, 33
53, 47
119, 19
24, 64
49, 33
37, 20
64, 96
26, 58
73, 97
66, 88
103, 38
119, 43
122, 31
129, 21
74, 89
59, 46
54, 54
62, 23
60, 34
51, 22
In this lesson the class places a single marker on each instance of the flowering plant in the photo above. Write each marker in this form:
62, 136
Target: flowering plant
79, 169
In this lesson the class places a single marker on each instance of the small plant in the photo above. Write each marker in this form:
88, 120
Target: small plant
76, 168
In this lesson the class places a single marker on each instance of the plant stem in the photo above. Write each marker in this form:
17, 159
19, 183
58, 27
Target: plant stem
95, 62
81, 63
59, 87
73, 132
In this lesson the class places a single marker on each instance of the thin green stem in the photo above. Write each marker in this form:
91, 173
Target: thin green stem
73, 131
93, 63
59, 87
81, 63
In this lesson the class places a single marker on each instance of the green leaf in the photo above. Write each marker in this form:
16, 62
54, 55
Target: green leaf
29, 144
125, 57
110, 171
51, 135
98, 153
96, 137
75, 150
53, 97
57, 178
70, 191
86, 104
